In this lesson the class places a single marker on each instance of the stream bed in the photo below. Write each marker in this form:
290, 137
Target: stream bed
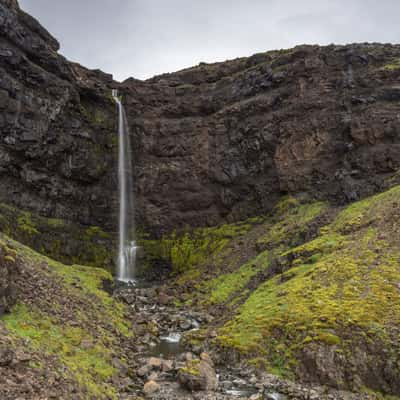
161, 352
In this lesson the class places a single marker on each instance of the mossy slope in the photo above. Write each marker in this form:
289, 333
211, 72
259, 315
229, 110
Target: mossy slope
63, 315
340, 290
318, 296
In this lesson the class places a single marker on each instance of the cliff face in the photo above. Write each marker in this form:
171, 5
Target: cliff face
212, 143
226, 140
57, 141
53, 154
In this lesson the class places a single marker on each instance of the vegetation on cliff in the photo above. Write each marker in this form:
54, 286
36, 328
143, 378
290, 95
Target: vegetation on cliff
59, 239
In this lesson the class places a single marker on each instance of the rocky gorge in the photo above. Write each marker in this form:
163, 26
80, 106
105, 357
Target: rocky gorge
267, 193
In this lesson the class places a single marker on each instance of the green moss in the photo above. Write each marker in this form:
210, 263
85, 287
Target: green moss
314, 258
9, 259
55, 222
95, 232
364, 213
345, 280
286, 204
81, 281
86, 341
192, 367
89, 280
229, 280
86, 245
191, 249
95, 248
311, 252
26, 225
327, 338
91, 367
187, 276
291, 221
220, 289
394, 65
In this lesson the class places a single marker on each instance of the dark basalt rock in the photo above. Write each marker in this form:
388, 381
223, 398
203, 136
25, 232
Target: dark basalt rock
6, 356
213, 143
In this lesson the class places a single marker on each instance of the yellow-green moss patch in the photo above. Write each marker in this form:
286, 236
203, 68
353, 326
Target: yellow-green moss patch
196, 247
86, 245
224, 286
89, 365
291, 218
392, 65
89, 281
345, 280
72, 319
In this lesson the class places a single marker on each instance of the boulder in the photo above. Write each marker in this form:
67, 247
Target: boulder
164, 299
206, 357
144, 370
198, 375
155, 362
167, 365
150, 388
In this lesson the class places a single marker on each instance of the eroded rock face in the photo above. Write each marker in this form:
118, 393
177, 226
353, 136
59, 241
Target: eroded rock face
211, 143
225, 140
57, 137
364, 366
57, 127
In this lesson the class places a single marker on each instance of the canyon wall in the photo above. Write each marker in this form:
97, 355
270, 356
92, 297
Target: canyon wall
213, 143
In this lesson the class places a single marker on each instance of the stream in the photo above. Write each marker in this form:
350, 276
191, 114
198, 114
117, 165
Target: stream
160, 327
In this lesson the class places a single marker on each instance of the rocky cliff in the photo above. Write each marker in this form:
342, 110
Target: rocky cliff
212, 143
225, 141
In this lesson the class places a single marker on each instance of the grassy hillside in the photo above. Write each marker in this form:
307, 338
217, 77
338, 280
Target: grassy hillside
318, 296
71, 331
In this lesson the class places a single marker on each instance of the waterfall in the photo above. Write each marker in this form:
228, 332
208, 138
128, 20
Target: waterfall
126, 241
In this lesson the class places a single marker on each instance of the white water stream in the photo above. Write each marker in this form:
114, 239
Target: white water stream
127, 247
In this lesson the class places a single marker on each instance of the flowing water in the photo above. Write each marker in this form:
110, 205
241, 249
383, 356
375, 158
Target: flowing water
169, 346
127, 248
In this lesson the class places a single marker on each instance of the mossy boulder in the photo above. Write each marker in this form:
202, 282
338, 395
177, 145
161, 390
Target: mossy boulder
198, 375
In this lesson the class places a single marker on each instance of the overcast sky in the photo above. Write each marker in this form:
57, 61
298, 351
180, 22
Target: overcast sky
142, 38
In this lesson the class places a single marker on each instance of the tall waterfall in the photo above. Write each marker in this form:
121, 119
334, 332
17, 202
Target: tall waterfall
127, 248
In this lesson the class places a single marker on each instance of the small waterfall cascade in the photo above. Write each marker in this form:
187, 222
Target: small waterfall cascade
127, 247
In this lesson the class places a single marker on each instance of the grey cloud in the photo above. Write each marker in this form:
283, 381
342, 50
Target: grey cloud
142, 38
